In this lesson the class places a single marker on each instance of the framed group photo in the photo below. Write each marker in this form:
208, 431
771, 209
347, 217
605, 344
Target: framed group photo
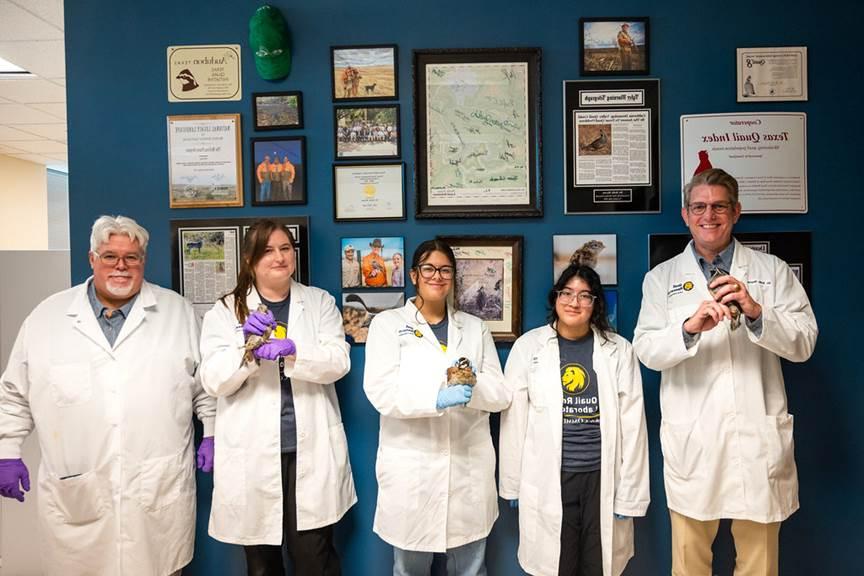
278, 170
366, 132
369, 262
277, 110
613, 46
363, 192
488, 281
477, 126
364, 73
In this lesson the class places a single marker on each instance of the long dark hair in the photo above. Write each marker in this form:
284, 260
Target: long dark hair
598, 320
254, 245
425, 249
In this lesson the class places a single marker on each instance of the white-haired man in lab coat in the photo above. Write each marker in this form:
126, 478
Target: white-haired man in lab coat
716, 320
106, 371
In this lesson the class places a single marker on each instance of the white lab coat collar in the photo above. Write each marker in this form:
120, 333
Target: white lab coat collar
416, 320
608, 345
693, 272
297, 295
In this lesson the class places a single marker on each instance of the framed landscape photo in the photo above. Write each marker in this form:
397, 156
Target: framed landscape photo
366, 132
278, 170
363, 192
489, 281
477, 125
205, 166
364, 72
613, 46
277, 110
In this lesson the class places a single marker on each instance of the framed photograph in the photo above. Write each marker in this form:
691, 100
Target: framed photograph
366, 132
364, 72
477, 124
278, 170
791, 247
611, 146
363, 192
489, 281
611, 307
373, 262
359, 308
599, 251
614, 46
205, 166
206, 256
772, 74
277, 110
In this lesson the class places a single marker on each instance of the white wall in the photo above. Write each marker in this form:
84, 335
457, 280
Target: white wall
23, 205
26, 278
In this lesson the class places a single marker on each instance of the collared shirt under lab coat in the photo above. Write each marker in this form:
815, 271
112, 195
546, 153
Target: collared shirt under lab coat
530, 448
435, 468
117, 478
726, 433
247, 482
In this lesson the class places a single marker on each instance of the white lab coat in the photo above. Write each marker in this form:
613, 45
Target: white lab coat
530, 448
725, 433
117, 478
247, 476
435, 469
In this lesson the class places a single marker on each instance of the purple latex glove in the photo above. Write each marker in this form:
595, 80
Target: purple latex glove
12, 472
273, 349
205, 455
257, 322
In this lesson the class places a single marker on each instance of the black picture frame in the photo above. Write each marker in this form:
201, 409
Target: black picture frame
603, 52
480, 157
265, 104
375, 80
359, 201
292, 147
356, 136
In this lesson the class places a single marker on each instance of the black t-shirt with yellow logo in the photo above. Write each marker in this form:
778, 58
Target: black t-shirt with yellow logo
580, 446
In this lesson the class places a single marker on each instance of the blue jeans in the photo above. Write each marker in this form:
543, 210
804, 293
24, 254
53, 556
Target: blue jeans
265, 191
466, 560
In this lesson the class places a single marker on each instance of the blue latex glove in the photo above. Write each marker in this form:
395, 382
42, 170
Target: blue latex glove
205, 455
12, 473
454, 396
273, 349
257, 322
621, 517
514, 504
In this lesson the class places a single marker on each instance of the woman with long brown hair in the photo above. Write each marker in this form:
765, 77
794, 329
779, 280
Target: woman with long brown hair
271, 351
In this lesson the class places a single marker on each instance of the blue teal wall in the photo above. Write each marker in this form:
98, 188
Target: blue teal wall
117, 107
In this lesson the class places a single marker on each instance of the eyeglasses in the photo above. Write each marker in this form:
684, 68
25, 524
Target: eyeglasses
130, 260
698, 208
584, 298
427, 271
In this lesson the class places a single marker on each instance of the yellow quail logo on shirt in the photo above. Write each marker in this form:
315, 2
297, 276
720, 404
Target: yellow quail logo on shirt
418, 334
688, 285
574, 379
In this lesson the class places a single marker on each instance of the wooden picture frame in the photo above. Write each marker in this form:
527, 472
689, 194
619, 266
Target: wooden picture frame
477, 152
488, 282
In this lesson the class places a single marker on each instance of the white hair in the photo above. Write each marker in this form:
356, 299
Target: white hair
105, 226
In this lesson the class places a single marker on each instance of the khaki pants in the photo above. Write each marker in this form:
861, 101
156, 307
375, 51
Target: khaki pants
756, 546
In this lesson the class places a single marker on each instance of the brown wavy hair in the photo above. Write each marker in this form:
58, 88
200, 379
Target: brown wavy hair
254, 245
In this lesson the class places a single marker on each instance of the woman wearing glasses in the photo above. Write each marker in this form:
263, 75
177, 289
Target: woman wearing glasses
573, 444
433, 374
282, 475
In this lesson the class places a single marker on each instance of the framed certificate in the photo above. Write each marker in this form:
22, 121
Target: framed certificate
368, 192
772, 74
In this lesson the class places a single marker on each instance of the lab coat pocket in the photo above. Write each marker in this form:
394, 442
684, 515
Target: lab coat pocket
781, 458
70, 383
229, 479
339, 447
78, 499
682, 447
163, 480
537, 396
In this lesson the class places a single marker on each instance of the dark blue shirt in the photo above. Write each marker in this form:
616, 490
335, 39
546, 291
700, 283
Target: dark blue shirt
289, 422
580, 442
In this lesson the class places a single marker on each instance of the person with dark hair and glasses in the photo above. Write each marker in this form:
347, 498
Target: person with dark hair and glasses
573, 444
271, 352
433, 374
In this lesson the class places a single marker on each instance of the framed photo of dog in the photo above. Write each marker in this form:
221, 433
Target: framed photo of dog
364, 73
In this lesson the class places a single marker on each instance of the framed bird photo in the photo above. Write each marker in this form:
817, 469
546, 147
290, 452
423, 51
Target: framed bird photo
611, 146
599, 251
359, 308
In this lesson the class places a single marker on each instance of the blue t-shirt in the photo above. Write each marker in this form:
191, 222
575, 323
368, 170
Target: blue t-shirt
289, 423
580, 446
440, 331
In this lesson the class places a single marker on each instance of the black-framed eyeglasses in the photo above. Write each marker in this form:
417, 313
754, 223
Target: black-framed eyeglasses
699, 208
427, 271
583, 298
132, 260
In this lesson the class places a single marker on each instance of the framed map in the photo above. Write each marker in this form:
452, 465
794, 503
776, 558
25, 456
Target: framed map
477, 120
